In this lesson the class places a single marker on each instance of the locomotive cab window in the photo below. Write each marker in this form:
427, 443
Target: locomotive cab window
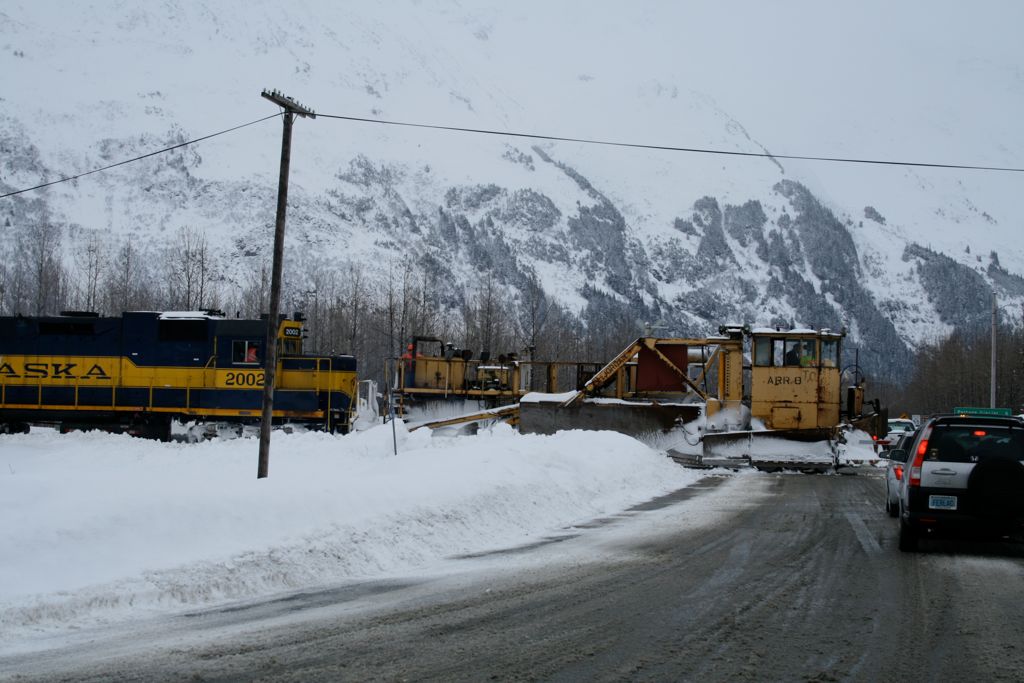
245, 353
292, 340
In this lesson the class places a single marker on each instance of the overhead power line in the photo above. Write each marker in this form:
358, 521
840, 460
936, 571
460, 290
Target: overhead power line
138, 158
539, 136
667, 148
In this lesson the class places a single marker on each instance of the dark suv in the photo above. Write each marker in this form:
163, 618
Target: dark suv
964, 475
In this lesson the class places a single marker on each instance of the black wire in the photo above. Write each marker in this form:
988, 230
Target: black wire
144, 156
694, 150
536, 136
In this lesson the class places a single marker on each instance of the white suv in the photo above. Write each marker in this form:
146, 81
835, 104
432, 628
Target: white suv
964, 475
897, 427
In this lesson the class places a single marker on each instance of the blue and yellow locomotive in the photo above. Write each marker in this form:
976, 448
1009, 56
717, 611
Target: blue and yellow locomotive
140, 371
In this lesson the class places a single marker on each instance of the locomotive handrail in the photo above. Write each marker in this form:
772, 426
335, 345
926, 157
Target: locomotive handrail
327, 420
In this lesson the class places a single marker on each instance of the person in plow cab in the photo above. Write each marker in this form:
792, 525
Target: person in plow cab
801, 354
807, 355
794, 352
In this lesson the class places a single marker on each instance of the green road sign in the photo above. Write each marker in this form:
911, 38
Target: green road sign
1002, 412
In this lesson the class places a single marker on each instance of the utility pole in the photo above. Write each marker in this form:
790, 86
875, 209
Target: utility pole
992, 387
291, 108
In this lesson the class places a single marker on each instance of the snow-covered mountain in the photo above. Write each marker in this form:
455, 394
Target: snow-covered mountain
897, 254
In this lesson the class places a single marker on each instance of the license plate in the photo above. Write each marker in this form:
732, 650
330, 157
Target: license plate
942, 502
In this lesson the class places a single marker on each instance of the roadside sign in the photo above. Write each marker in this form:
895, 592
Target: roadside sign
1002, 412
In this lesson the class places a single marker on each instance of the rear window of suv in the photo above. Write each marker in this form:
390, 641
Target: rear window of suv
972, 443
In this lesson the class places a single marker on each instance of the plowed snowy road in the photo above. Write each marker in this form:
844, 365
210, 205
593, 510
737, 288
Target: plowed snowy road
749, 577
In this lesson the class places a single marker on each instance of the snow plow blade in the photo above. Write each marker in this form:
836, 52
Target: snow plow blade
770, 450
508, 413
540, 416
718, 449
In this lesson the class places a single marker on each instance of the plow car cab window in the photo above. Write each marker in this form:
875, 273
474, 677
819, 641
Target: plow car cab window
763, 351
794, 351
809, 354
830, 353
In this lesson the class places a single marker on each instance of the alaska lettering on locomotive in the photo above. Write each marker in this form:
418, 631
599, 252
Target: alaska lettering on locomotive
54, 370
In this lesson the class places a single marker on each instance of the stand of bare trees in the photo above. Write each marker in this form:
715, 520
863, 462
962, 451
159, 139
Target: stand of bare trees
373, 312
956, 371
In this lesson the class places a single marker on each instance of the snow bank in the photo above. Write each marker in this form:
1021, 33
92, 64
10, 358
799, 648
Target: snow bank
96, 524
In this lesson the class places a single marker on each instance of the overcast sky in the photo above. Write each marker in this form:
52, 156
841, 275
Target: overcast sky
885, 74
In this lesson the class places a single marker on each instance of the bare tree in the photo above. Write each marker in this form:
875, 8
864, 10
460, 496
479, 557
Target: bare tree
41, 248
356, 303
91, 263
190, 270
533, 311
128, 278
249, 299
12, 281
486, 317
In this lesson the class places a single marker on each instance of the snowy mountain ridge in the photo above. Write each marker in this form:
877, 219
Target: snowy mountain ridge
898, 255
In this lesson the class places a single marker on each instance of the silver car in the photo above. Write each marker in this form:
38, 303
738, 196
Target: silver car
964, 474
897, 457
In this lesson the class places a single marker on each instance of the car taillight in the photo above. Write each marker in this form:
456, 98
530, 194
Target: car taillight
922, 448
915, 468
898, 470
